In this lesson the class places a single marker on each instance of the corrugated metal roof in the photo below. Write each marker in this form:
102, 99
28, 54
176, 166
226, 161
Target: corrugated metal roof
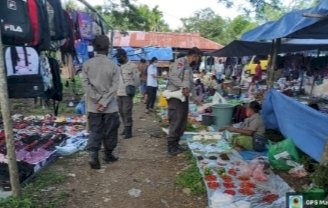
162, 39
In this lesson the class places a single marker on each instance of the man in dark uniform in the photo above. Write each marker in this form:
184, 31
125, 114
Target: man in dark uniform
100, 78
180, 78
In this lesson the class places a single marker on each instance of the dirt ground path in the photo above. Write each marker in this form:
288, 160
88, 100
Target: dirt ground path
143, 165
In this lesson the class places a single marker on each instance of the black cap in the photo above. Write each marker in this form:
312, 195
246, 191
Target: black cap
199, 52
101, 43
195, 51
120, 52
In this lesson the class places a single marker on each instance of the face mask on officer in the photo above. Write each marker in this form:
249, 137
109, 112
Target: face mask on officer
121, 59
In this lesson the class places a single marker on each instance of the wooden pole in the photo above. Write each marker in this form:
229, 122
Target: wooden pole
5, 110
273, 65
324, 157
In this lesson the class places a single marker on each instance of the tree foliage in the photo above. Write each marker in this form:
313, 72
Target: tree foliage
266, 10
72, 5
125, 15
207, 23
216, 28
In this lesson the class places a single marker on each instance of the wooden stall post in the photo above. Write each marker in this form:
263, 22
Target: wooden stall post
5, 110
324, 157
273, 66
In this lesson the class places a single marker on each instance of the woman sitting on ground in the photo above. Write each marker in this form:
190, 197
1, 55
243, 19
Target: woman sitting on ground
251, 131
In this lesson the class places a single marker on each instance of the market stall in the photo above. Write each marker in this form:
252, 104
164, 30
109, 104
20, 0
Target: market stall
40, 140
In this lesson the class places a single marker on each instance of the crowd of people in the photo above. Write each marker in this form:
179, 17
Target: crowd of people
110, 89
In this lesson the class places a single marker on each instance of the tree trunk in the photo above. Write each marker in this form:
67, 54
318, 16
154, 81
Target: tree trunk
5, 110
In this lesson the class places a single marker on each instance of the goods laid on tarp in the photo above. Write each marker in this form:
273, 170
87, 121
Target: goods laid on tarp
39, 140
232, 181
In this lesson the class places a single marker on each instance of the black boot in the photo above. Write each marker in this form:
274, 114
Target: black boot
128, 132
123, 132
182, 148
109, 157
94, 160
172, 148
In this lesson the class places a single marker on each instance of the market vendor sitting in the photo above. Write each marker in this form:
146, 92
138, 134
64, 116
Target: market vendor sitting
200, 90
251, 131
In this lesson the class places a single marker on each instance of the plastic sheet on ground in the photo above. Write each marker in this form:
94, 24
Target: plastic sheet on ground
224, 169
73, 145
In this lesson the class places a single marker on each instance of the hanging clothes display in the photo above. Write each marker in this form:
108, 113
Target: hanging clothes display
68, 70
82, 51
45, 71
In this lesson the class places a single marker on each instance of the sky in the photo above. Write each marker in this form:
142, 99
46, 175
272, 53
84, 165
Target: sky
174, 10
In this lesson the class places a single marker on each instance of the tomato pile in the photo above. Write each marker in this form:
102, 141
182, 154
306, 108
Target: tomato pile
213, 185
247, 184
232, 171
230, 192
229, 185
210, 178
246, 191
269, 198
243, 178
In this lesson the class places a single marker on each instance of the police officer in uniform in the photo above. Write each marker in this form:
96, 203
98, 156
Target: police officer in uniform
180, 78
100, 80
129, 75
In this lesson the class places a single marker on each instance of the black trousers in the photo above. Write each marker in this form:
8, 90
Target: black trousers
151, 92
103, 129
178, 118
125, 106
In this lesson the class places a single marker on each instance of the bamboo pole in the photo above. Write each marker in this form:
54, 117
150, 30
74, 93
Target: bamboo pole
5, 110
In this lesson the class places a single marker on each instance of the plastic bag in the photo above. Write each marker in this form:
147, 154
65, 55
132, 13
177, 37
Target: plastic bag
245, 170
218, 99
80, 108
72, 145
281, 152
259, 174
298, 172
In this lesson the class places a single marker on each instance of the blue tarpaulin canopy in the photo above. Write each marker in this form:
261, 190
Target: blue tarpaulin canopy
304, 125
293, 25
162, 54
